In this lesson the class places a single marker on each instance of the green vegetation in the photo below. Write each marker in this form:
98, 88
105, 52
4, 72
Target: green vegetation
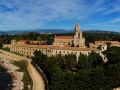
89, 73
64, 73
6, 39
90, 37
26, 77
17, 53
6, 49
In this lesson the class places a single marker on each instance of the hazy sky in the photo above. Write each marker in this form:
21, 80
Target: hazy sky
42, 14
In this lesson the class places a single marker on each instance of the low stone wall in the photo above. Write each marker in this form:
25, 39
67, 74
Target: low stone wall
15, 56
42, 74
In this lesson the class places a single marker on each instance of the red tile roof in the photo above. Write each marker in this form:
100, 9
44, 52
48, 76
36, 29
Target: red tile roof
115, 42
74, 48
57, 47
26, 40
22, 40
64, 37
104, 41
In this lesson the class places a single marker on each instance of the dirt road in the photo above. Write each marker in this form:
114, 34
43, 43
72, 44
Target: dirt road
36, 77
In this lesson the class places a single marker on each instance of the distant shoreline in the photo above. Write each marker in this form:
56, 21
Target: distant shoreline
4, 76
11, 70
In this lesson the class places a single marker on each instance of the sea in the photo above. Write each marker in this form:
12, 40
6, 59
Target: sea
5, 80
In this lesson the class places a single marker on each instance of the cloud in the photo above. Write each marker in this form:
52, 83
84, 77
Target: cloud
95, 24
28, 14
112, 6
116, 20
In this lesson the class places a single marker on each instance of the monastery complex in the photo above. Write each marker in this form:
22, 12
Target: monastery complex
62, 45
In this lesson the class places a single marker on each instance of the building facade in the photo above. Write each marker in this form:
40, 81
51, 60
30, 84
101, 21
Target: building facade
77, 40
61, 45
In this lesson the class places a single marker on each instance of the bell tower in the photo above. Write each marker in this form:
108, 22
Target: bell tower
78, 39
77, 34
77, 30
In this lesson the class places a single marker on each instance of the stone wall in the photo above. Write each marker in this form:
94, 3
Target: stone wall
14, 55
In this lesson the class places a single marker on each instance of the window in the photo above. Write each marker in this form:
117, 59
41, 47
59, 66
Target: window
103, 48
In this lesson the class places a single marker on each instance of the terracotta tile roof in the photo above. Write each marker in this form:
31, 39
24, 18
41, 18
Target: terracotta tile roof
64, 37
57, 47
104, 41
62, 41
22, 40
25, 40
32, 46
74, 48
115, 42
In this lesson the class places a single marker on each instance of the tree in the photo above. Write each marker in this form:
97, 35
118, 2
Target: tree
113, 55
39, 40
95, 60
69, 61
39, 58
60, 59
57, 79
83, 62
98, 79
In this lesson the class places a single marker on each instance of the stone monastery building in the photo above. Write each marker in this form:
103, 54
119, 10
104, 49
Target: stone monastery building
76, 40
61, 45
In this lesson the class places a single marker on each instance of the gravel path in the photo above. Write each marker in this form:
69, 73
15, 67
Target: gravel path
11, 69
36, 77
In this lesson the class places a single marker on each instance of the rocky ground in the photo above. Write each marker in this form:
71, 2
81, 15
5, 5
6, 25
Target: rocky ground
11, 69
38, 82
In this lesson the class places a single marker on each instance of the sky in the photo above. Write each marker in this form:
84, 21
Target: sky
60, 14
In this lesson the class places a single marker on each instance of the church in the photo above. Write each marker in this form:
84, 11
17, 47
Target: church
65, 41
61, 45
